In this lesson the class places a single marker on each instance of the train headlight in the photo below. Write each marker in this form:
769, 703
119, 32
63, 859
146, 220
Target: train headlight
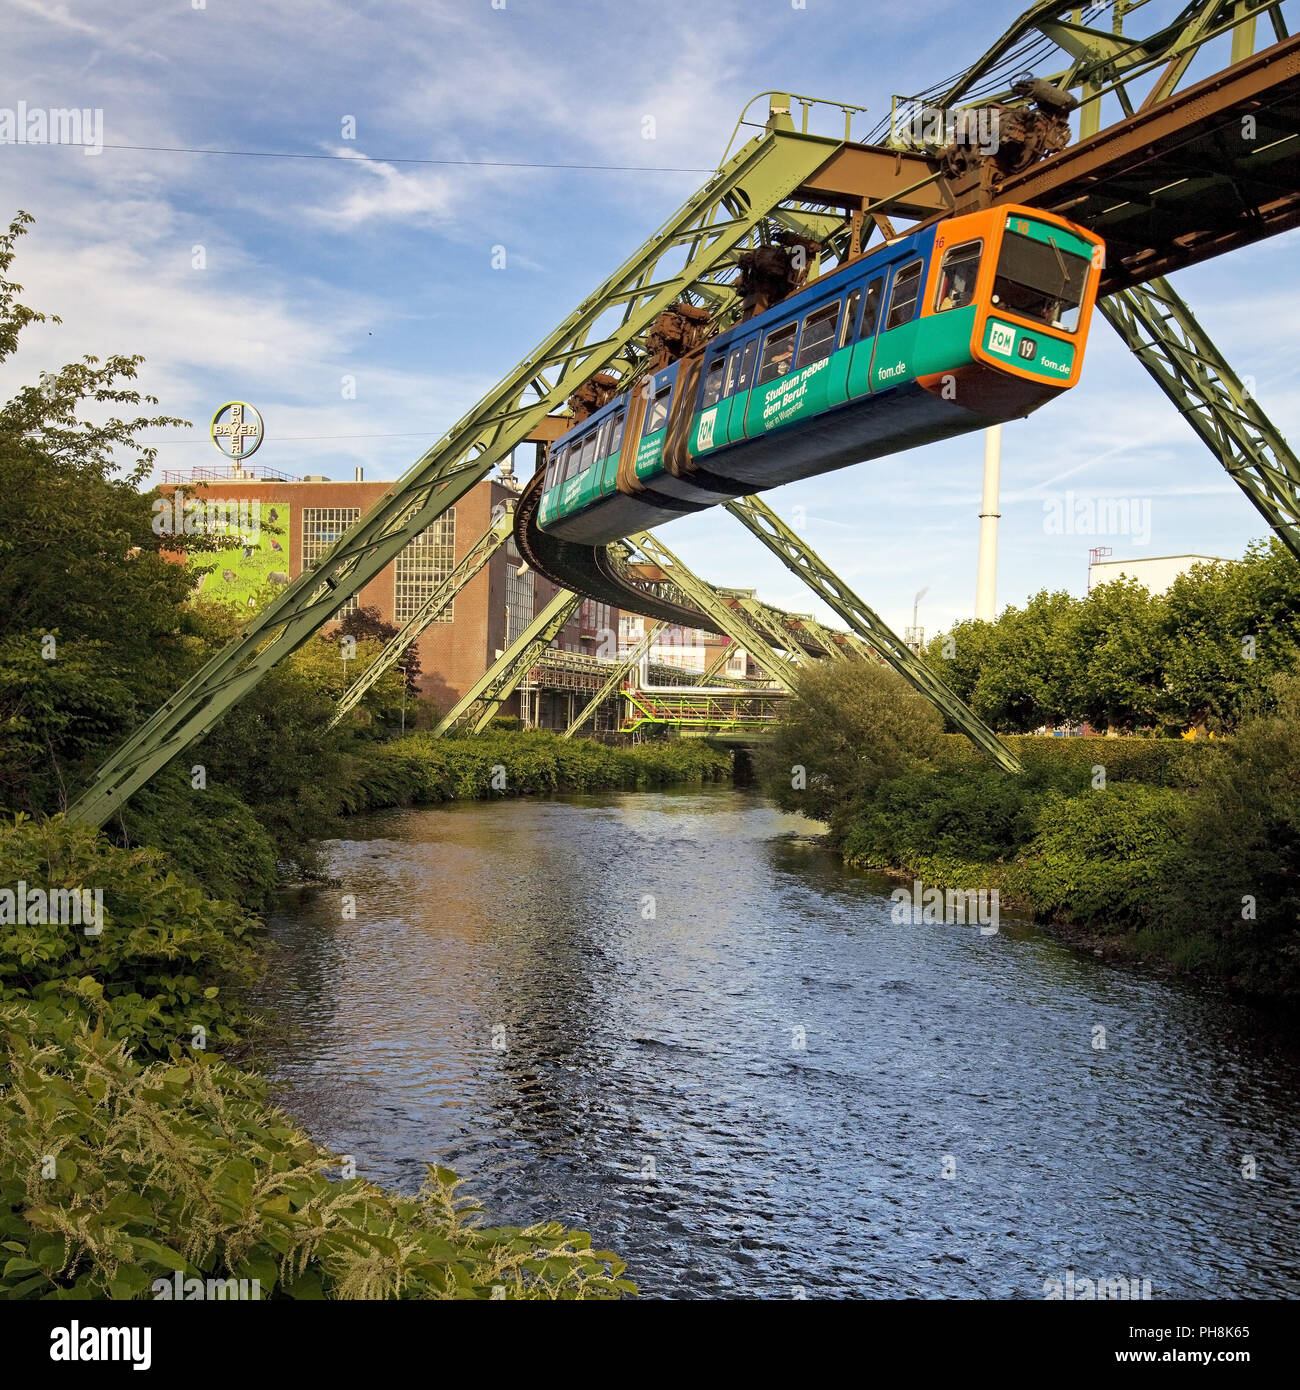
1028, 348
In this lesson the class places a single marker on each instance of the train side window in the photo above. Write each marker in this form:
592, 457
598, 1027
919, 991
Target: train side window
743, 380
574, 460
818, 336
871, 309
602, 439
656, 417
713, 383
616, 433
778, 353
956, 288
850, 318
733, 367
588, 451
554, 469
902, 300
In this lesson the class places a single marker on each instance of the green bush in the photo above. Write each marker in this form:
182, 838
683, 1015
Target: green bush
210, 837
423, 770
161, 963
941, 824
1067, 763
114, 1174
1109, 858
849, 727
1241, 882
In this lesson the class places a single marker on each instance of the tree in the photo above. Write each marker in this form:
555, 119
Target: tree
849, 726
92, 616
1115, 640
363, 623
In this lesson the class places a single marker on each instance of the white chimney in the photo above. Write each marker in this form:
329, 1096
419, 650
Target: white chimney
361, 474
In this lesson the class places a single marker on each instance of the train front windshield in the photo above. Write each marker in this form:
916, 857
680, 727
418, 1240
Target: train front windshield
1040, 280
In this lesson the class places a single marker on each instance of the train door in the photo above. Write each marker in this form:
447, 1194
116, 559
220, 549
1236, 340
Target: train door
893, 360
858, 379
613, 449
736, 384
837, 374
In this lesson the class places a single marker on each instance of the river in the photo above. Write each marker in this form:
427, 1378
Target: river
674, 1020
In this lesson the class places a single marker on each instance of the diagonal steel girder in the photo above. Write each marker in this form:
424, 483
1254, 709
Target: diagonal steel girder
1164, 336
428, 612
720, 613
621, 671
826, 639
756, 516
697, 244
498, 682
1064, 47
773, 627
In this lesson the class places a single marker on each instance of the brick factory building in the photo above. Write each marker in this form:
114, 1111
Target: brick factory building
298, 519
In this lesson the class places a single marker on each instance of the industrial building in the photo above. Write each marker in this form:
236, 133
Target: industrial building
296, 520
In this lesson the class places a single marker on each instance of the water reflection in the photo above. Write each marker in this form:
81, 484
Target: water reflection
647, 966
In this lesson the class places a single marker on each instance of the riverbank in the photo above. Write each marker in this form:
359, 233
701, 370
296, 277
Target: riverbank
1183, 854
129, 1149
1121, 847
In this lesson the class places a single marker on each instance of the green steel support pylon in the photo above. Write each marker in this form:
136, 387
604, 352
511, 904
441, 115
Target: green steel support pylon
428, 612
621, 671
1164, 336
825, 639
498, 682
715, 665
724, 618
797, 556
774, 629
694, 248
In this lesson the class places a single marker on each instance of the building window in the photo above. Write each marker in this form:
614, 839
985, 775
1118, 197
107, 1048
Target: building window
321, 527
422, 566
519, 599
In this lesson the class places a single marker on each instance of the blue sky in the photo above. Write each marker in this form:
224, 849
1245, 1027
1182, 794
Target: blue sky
317, 270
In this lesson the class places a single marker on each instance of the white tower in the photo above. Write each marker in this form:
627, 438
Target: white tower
986, 584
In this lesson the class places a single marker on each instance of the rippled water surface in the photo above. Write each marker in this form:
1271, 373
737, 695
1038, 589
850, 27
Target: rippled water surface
652, 1089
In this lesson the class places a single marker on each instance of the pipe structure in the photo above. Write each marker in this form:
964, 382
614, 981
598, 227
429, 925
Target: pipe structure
986, 583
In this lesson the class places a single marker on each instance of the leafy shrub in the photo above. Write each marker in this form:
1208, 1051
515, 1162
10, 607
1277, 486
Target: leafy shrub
1241, 884
938, 823
114, 1174
1110, 858
423, 770
850, 726
158, 967
211, 837
1067, 763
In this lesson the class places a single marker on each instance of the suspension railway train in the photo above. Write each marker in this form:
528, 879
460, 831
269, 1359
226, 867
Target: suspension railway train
963, 324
